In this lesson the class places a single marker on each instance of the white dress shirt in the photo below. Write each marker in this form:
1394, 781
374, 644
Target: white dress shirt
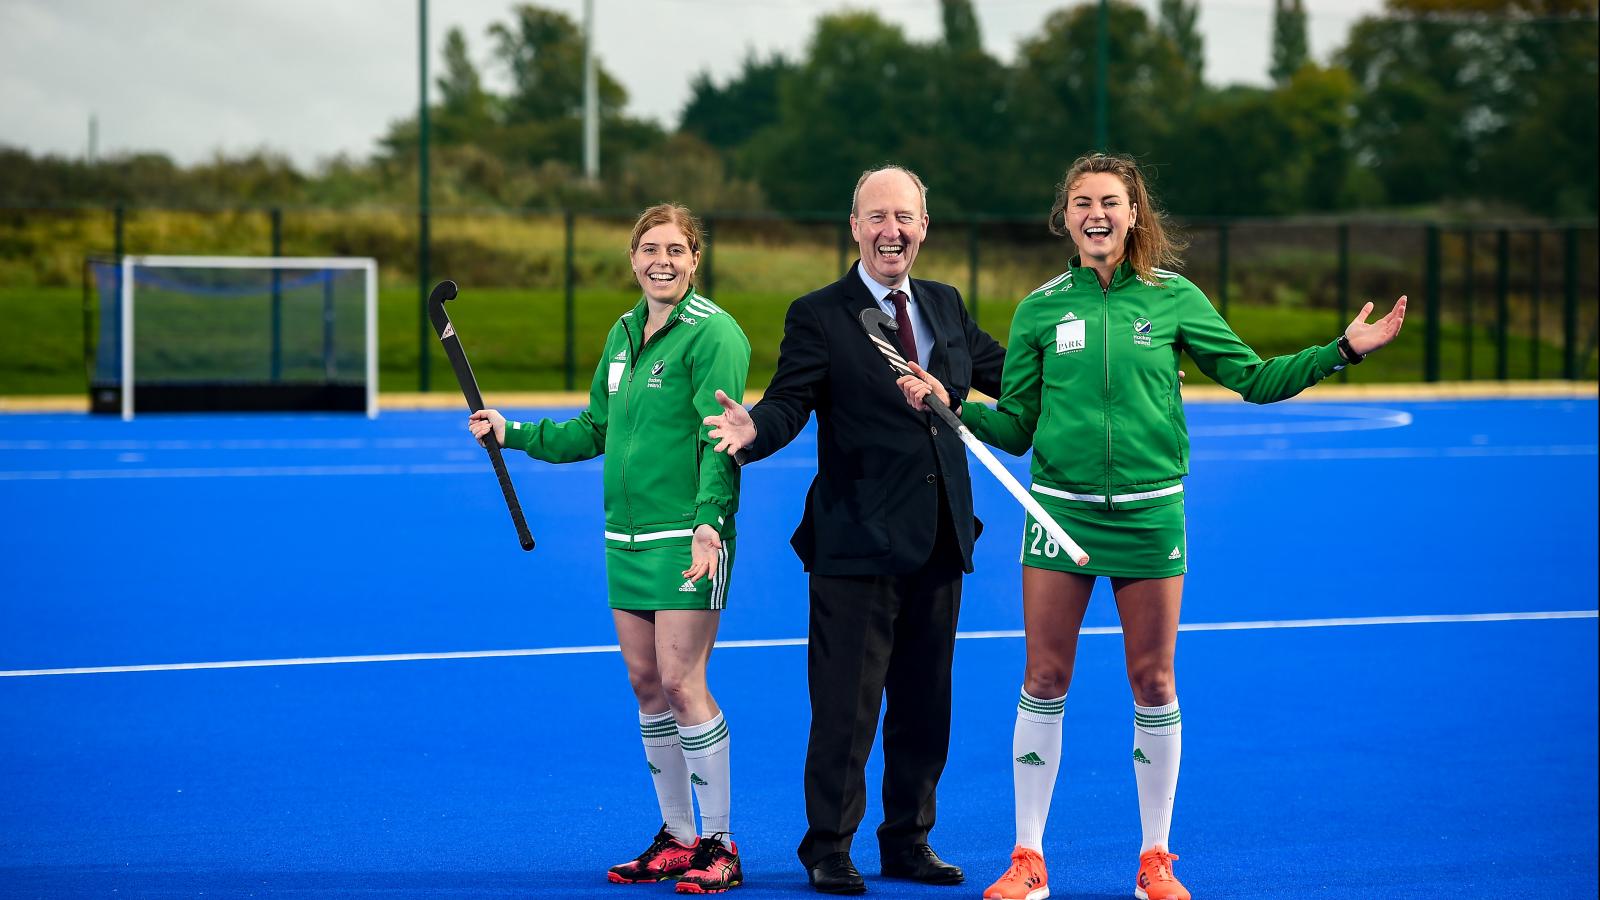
919, 324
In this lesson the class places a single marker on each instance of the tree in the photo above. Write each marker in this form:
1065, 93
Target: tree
1179, 23
1152, 93
852, 103
1466, 98
542, 51
1230, 156
727, 117
1545, 156
684, 170
965, 146
1317, 170
961, 35
465, 109
865, 95
1289, 51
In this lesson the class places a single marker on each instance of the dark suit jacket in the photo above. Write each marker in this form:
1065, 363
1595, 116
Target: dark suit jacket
873, 506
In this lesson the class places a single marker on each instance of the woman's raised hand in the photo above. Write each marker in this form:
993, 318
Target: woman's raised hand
1365, 337
918, 385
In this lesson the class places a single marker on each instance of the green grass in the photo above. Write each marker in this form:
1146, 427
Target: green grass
516, 339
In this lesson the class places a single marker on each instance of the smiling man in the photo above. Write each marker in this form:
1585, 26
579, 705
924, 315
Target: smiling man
886, 536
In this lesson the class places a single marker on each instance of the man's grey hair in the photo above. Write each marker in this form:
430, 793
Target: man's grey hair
855, 196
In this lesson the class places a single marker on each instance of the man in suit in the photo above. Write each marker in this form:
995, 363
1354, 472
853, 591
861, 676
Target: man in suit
886, 536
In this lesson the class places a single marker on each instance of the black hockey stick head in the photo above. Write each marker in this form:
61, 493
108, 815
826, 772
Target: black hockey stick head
873, 318
873, 321
442, 292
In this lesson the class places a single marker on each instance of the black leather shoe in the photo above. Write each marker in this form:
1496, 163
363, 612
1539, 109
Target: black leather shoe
918, 862
836, 874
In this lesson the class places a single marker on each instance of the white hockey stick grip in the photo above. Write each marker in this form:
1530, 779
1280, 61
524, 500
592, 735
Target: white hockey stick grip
1056, 532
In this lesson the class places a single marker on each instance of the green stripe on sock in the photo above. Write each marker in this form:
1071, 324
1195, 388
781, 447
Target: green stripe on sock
1171, 718
1044, 708
703, 741
666, 729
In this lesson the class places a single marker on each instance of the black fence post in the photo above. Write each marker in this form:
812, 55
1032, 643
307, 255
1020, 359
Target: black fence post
275, 217
1430, 361
844, 246
1344, 288
1502, 305
570, 362
708, 257
88, 325
424, 247
119, 227
972, 271
1222, 265
1468, 239
1569, 325
330, 363
1538, 300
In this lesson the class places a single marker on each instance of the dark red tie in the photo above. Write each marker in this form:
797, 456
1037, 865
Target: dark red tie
902, 317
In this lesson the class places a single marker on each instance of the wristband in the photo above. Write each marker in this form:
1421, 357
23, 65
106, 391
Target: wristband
1351, 357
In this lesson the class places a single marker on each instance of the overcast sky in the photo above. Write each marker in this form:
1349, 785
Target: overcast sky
315, 78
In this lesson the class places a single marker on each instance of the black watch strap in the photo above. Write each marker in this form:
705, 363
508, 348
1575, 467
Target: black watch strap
1351, 357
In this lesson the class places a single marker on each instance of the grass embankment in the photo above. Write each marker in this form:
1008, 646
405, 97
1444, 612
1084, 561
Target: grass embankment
512, 270
517, 339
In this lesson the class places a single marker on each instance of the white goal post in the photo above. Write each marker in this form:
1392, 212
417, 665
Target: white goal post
128, 294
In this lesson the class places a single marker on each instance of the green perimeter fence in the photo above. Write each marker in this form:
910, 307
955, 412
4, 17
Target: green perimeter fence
1489, 300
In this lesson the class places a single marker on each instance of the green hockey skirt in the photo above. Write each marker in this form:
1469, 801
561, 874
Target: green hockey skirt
653, 578
1149, 542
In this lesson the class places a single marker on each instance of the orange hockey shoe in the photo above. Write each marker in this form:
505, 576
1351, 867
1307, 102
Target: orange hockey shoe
1025, 880
715, 867
1156, 881
664, 858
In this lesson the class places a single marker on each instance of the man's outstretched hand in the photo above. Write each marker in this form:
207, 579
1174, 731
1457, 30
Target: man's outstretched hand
734, 429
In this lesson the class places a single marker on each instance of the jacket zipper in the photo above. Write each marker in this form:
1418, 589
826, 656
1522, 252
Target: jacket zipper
626, 387
1105, 403
627, 411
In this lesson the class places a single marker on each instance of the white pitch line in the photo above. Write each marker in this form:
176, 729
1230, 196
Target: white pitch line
798, 642
791, 462
1332, 453
1267, 624
1344, 418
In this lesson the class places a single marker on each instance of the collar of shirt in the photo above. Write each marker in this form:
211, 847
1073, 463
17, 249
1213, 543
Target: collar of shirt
919, 323
881, 293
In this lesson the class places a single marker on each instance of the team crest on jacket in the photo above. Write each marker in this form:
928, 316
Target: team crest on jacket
1141, 331
655, 373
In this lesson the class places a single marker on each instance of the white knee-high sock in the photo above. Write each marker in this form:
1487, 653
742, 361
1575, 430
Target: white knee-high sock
1036, 748
705, 750
669, 773
1157, 749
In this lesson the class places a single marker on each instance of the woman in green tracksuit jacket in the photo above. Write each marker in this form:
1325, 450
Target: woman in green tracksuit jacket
1091, 385
669, 533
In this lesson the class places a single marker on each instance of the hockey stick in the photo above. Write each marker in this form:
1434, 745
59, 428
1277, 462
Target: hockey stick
443, 291
872, 320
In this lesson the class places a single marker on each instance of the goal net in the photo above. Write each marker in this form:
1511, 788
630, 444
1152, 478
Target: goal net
198, 333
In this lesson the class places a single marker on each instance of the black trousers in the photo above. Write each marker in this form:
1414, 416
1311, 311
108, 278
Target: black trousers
871, 638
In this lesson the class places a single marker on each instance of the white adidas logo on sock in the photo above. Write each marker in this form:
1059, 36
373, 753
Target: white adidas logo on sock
1174, 554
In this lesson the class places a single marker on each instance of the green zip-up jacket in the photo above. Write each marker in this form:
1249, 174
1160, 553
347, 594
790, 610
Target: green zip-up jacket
1091, 384
646, 403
